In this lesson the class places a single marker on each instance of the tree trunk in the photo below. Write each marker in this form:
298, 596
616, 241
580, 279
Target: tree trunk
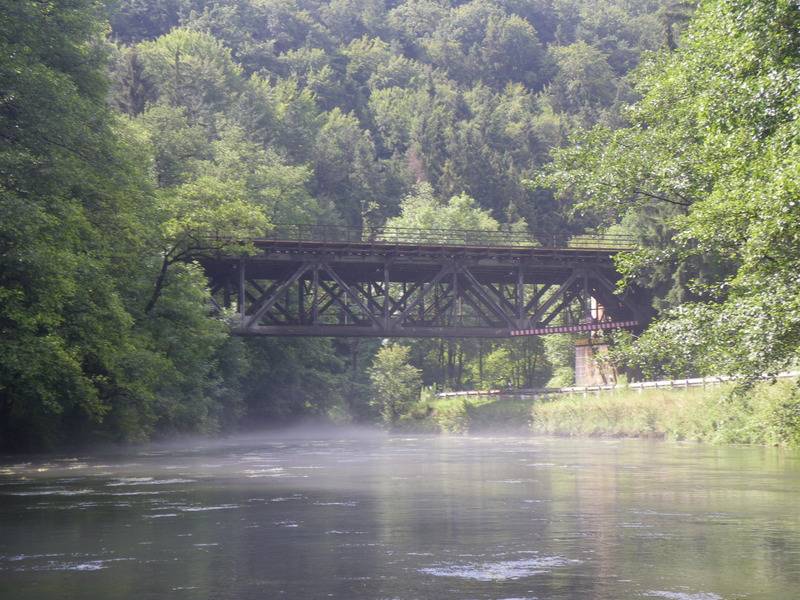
162, 277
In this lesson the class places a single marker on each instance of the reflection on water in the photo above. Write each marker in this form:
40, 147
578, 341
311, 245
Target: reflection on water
462, 518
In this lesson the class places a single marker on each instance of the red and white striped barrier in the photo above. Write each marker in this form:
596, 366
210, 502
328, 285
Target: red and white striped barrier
576, 328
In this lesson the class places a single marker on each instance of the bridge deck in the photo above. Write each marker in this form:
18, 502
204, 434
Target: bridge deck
378, 246
371, 235
410, 262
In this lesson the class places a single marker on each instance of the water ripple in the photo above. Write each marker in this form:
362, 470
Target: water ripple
500, 571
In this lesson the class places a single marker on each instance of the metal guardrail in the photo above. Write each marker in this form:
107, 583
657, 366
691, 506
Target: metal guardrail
447, 237
641, 385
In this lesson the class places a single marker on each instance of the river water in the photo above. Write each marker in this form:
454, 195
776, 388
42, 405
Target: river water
402, 517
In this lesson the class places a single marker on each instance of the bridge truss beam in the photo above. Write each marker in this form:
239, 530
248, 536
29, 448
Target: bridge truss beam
381, 290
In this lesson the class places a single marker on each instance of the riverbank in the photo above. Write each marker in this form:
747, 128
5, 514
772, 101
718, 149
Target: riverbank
767, 414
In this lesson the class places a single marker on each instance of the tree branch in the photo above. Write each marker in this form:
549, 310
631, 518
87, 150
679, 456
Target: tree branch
162, 276
662, 198
685, 204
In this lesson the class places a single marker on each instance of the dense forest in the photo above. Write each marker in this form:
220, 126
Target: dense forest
132, 129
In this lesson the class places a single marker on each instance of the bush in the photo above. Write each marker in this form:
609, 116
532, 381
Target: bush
396, 384
562, 377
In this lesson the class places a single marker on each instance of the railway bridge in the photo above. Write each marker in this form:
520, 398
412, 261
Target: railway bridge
306, 280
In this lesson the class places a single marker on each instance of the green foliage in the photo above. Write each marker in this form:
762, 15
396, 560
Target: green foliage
452, 416
763, 414
283, 116
478, 40
123, 162
191, 70
134, 20
476, 414
396, 384
422, 210
585, 83
201, 217
562, 377
80, 232
347, 171
51, 157
498, 368
208, 209
517, 363
289, 379
433, 91
709, 164
176, 143
559, 351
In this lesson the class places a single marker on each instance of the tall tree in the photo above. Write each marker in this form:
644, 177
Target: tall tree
395, 383
712, 152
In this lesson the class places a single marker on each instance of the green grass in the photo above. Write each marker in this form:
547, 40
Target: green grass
766, 414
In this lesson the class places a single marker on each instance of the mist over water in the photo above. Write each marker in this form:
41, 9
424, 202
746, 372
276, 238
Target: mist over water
355, 514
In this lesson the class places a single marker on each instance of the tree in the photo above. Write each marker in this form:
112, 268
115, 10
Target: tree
63, 318
176, 142
415, 20
347, 171
394, 111
711, 150
258, 31
193, 71
296, 123
351, 19
278, 189
455, 45
136, 20
79, 358
560, 354
585, 83
511, 52
498, 368
204, 217
422, 210
396, 384
319, 74
290, 379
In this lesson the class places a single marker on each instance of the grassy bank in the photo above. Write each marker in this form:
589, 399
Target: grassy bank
470, 414
766, 414
483, 413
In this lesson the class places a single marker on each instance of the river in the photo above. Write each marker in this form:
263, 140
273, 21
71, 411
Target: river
378, 517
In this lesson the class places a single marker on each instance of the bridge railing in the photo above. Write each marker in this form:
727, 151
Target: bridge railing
612, 387
446, 237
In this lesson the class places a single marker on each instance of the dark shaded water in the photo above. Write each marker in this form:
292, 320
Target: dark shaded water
405, 518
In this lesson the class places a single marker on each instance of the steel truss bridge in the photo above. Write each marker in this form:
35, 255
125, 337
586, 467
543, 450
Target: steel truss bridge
341, 281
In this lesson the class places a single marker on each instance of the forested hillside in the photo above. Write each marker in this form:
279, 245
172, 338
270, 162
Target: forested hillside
133, 131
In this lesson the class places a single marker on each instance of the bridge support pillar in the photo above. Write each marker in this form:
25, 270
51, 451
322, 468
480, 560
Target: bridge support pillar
589, 367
